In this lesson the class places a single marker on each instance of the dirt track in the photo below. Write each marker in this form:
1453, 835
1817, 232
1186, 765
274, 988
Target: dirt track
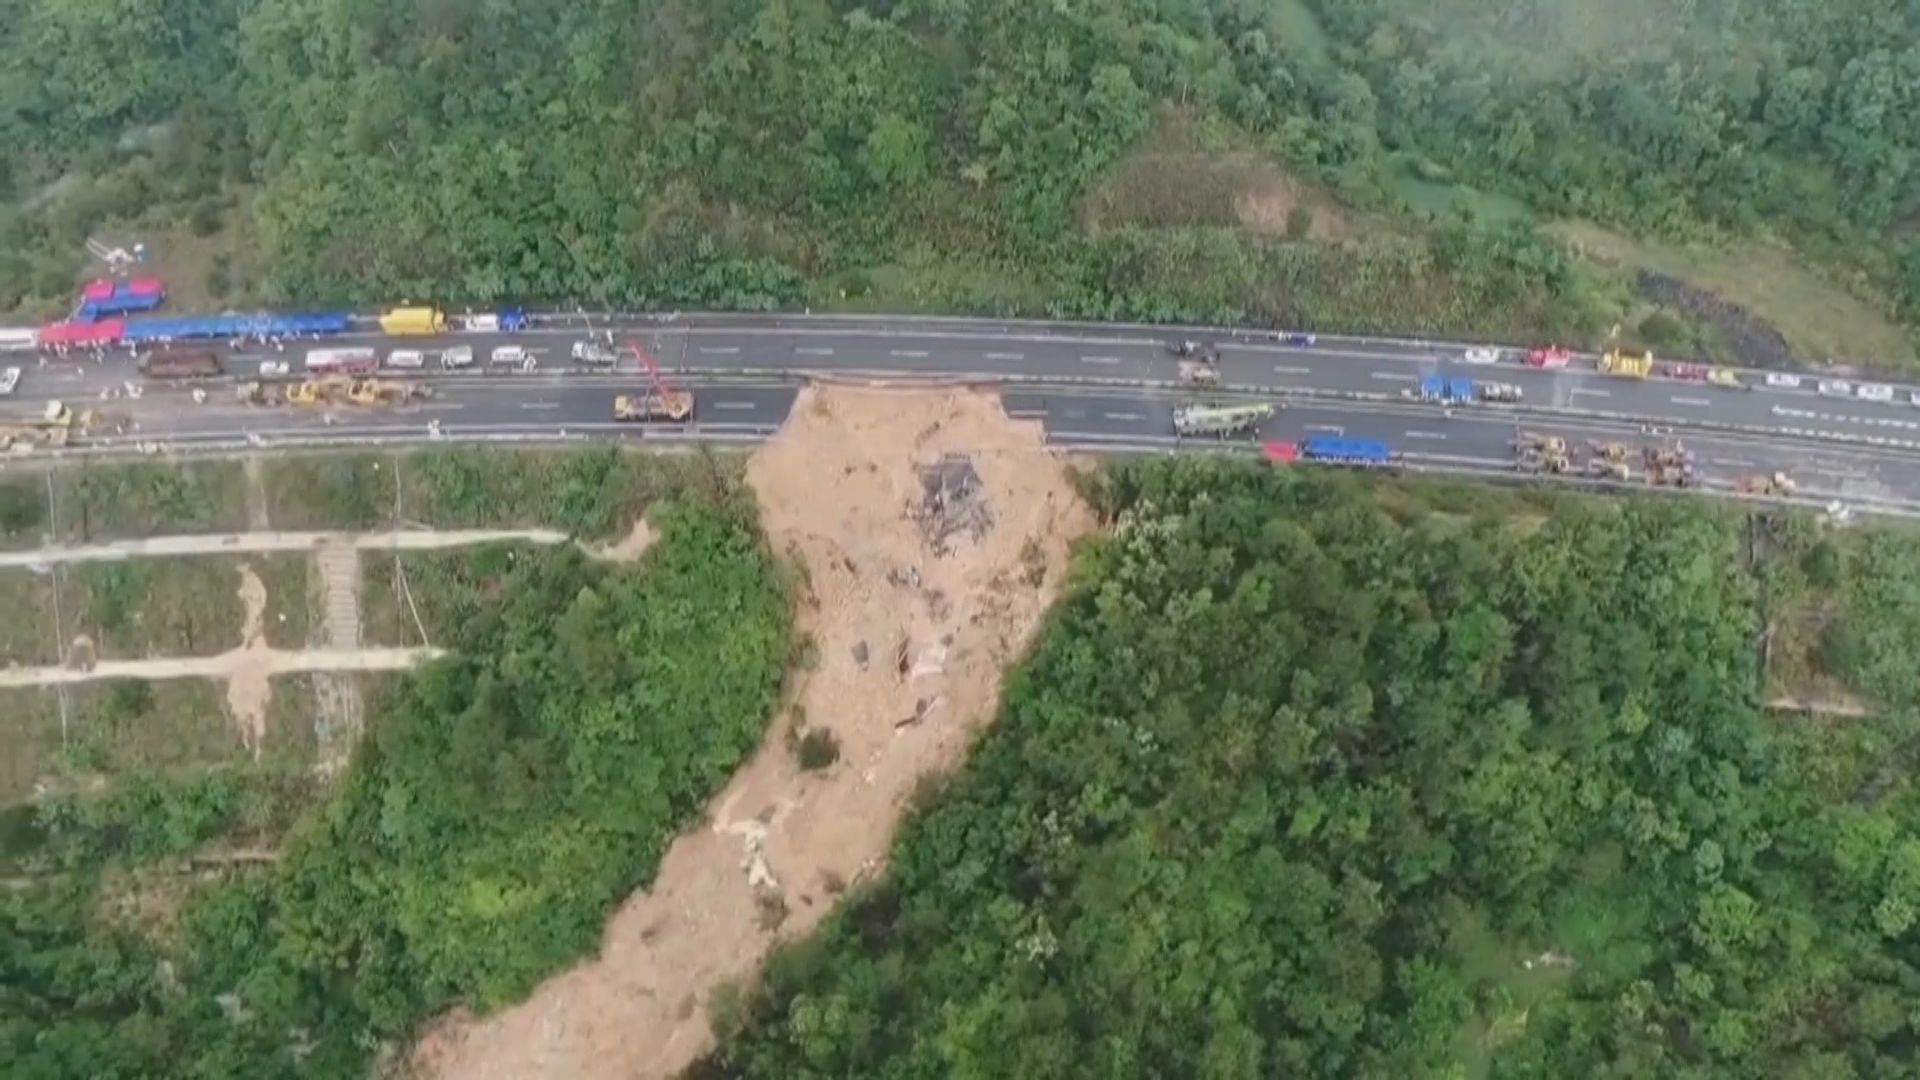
249, 543
914, 619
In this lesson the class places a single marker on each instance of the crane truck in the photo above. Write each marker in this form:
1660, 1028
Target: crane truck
659, 402
1219, 420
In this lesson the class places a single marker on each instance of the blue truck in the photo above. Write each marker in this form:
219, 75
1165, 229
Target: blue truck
1347, 451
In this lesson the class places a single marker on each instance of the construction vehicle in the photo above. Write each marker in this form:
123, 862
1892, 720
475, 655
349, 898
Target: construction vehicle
1626, 365
1199, 373
54, 427
1530, 441
1544, 455
384, 392
1726, 378
1762, 484
309, 392
413, 320
1219, 421
1669, 466
660, 402
180, 365
1609, 469
1610, 451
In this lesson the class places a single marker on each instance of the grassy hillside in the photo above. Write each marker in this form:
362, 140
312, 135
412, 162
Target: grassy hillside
975, 155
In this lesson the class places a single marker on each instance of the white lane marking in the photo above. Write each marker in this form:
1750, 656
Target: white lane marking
539, 404
1076, 414
1027, 414
1334, 429
914, 354
719, 350
1391, 376
1125, 416
1734, 463
814, 352
1425, 435
1104, 360
734, 405
1698, 403
1292, 371
1006, 356
1592, 393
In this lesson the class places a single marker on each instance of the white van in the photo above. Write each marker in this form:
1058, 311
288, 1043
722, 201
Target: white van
459, 356
516, 355
406, 358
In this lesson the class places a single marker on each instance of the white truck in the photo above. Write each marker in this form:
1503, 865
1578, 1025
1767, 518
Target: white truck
595, 354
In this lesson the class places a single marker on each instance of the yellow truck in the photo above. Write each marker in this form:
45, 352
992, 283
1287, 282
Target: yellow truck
413, 320
1616, 361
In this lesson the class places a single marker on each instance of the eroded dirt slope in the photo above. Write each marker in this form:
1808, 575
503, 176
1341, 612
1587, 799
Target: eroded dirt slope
933, 533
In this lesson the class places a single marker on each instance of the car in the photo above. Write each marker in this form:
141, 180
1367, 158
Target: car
274, 368
594, 352
1549, 356
1875, 392
9, 381
457, 357
1297, 338
1913, 397
1835, 388
406, 358
516, 355
1481, 354
1780, 380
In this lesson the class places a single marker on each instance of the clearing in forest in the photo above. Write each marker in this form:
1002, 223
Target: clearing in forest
932, 534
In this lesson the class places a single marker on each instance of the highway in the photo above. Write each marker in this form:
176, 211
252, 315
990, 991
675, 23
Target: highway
1091, 386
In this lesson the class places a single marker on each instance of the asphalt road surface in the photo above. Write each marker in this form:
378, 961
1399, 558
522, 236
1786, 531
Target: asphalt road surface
1090, 385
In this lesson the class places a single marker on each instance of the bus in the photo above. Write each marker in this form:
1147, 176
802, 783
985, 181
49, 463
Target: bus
343, 361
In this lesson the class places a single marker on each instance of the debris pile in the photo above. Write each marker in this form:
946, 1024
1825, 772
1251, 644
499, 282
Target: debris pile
951, 503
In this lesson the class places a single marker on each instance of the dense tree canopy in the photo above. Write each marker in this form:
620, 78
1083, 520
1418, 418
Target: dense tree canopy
760, 152
1294, 788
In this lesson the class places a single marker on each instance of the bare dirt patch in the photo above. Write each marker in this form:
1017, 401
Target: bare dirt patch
628, 548
250, 688
1192, 172
933, 534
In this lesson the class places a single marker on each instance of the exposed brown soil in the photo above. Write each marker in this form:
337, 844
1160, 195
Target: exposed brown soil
932, 533
628, 548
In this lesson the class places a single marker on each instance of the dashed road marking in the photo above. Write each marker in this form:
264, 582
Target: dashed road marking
734, 405
1104, 361
720, 350
1391, 376
1292, 371
1425, 435
911, 354
539, 404
1125, 416
1591, 392
1027, 414
814, 352
1332, 429
1698, 403
1735, 463
1006, 356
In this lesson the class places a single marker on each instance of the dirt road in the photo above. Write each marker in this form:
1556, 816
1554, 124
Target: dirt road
248, 543
225, 665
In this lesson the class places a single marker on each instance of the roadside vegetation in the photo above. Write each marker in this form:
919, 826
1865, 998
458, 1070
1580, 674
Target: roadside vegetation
1388, 164
503, 800
1385, 790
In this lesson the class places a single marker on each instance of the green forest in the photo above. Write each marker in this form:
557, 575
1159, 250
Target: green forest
1304, 782
503, 802
953, 155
